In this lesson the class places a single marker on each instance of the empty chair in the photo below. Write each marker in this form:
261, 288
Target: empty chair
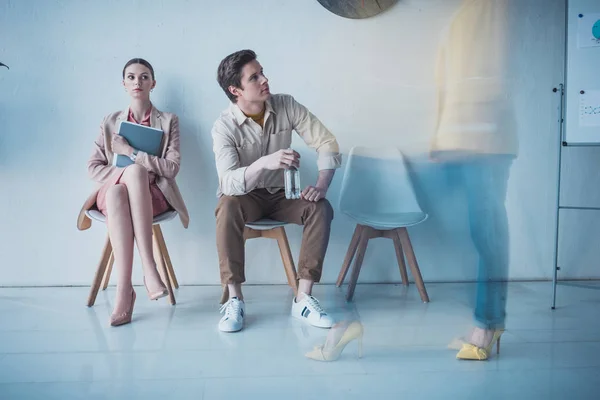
378, 194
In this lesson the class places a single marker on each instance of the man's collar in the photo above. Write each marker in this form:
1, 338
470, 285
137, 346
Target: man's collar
269, 107
240, 117
238, 114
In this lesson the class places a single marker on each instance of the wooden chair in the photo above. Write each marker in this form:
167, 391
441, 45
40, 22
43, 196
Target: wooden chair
161, 255
402, 245
268, 228
377, 193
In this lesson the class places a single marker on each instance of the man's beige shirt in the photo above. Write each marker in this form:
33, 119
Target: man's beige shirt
238, 141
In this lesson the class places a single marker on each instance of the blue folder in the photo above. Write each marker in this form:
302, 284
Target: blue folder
140, 137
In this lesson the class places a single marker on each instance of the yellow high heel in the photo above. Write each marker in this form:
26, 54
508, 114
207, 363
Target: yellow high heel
472, 352
353, 331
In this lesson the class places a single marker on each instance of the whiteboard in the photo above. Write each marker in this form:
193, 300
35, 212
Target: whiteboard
582, 86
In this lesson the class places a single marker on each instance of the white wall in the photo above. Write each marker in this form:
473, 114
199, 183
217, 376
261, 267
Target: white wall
370, 81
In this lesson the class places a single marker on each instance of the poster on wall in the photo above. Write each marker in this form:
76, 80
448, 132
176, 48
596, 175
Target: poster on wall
588, 31
589, 108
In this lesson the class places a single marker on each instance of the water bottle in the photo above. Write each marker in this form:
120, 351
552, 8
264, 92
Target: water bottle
292, 183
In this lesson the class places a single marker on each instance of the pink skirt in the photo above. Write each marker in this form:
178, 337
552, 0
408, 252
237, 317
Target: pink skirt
159, 202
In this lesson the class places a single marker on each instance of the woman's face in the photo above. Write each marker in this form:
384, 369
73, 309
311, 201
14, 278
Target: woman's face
138, 81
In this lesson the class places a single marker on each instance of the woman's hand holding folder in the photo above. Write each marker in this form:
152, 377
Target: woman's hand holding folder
120, 145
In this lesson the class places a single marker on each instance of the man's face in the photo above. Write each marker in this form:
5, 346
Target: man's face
255, 85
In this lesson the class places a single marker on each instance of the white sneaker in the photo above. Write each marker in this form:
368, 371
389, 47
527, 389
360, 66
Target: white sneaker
309, 310
233, 320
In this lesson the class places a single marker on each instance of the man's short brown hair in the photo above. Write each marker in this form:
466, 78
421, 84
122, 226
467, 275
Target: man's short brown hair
229, 72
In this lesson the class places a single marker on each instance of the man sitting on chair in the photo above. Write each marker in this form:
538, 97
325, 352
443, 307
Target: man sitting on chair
251, 142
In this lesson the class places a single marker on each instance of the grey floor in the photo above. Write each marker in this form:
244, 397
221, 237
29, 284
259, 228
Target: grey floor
53, 347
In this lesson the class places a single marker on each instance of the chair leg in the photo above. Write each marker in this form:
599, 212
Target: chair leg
349, 255
165, 253
106, 252
162, 268
250, 233
412, 263
106, 279
400, 258
360, 255
287, 258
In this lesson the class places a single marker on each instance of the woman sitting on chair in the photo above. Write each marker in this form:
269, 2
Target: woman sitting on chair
130, 197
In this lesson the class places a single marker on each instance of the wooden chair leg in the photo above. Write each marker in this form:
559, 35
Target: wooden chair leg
106, 279
360, 255
412, 263
165, 253
400, 258
162, 268
287, 258
250, 233
349, 255
106, 252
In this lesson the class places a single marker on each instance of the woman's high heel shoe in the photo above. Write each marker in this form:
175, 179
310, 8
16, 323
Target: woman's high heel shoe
472, 352
156, 295
124, 318
324, 353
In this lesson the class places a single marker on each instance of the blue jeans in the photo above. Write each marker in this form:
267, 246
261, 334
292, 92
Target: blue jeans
485, 179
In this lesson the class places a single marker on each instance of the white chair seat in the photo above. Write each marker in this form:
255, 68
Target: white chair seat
387, 221
265, 224
160, 218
